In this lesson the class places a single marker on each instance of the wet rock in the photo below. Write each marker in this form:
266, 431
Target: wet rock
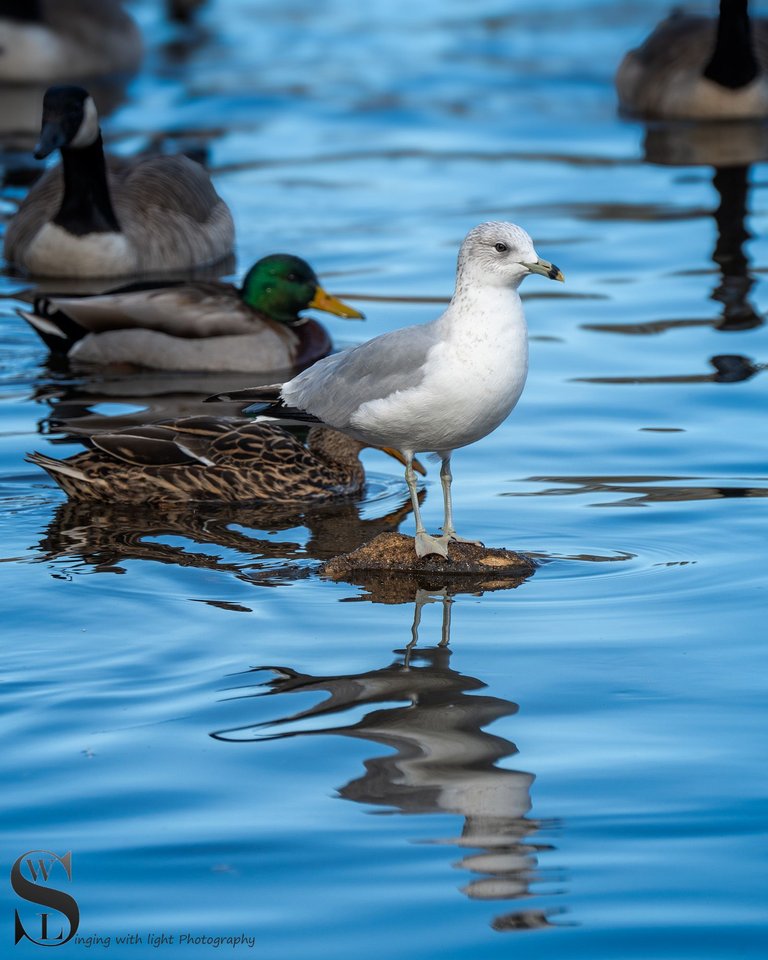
389, 569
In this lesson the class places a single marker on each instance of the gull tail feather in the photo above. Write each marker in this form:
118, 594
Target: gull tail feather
270, 393
275, 411
281, 413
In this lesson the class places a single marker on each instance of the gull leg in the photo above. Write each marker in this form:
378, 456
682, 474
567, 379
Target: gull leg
445, 638
449, 531
422, 597
423, 542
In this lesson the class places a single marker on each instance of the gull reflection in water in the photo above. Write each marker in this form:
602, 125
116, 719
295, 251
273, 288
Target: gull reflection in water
442, 759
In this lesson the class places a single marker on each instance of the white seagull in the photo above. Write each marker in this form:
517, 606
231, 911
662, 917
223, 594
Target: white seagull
434, 387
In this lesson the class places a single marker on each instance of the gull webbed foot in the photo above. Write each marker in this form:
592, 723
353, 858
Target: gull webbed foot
452, 536
426, 544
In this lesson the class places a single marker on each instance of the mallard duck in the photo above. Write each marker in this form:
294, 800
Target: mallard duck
208, 458
200, 326
43, 41
96, 218
699, 68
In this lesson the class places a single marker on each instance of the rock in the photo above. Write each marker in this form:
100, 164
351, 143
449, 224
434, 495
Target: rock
390, 570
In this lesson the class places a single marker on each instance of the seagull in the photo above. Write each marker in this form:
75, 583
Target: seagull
433, 387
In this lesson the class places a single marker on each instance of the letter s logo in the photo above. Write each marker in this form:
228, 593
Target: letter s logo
39, 864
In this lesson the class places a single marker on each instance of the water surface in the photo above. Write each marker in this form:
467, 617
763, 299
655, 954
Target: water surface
228, 743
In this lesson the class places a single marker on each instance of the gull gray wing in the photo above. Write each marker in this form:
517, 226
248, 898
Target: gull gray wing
334, 388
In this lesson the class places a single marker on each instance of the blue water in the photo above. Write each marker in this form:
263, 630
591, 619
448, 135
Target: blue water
230, 744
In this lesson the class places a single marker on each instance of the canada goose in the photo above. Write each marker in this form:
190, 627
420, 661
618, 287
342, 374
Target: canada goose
200, 326
699, 68
46, 41
208, 458
90, 217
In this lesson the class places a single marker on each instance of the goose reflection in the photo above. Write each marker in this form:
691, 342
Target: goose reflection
639, 491
432, 717
727, 368
730, 149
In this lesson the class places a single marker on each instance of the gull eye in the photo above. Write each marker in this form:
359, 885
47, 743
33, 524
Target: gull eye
501, 247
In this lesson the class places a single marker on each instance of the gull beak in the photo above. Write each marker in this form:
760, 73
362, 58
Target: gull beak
324, 301
418, 466
546, 269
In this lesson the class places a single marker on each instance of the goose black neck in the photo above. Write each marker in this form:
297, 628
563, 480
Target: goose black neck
86, 206
732, 185
25, 10
733, 64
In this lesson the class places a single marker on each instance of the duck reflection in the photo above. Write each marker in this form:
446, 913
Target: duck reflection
442, 759
730, 149
103, 537
133, 398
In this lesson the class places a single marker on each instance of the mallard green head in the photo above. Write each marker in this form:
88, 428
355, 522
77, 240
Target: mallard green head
281, 286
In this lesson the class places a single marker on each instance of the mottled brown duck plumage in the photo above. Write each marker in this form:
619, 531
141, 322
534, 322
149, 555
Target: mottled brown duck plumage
209, 458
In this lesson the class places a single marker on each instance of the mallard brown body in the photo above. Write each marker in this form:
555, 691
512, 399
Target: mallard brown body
210, 459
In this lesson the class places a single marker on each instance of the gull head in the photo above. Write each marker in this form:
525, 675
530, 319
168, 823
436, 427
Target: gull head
501, 254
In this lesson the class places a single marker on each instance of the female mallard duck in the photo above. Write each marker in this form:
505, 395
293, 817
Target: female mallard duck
44, 41
93, 218
698, 68
208, 458
200, 326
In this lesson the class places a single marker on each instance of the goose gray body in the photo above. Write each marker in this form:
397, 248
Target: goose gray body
675, 74
46, 41
171, 218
